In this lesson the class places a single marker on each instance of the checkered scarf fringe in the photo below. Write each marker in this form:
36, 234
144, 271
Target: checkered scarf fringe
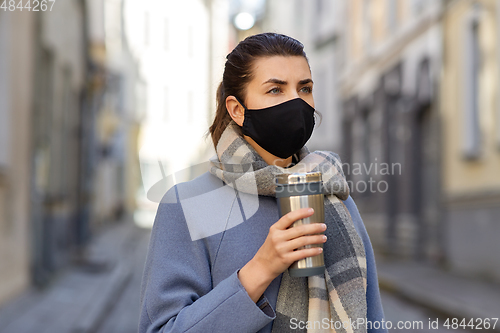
330, 302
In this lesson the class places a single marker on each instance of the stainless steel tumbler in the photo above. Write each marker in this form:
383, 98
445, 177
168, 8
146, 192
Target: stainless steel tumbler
300, 190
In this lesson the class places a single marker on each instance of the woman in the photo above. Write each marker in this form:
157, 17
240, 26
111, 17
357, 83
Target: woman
219, 251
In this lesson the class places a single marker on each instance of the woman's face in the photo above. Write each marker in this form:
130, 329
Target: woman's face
278, 79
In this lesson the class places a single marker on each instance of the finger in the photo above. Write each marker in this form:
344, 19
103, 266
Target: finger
305, 253
303, 241
293, 216
305, 229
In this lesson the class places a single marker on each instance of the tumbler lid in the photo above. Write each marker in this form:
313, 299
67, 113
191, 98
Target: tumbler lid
298, 178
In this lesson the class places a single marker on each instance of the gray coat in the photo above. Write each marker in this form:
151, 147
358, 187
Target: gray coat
204, 232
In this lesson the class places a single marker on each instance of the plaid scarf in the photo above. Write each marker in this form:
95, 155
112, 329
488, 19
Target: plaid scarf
330, 302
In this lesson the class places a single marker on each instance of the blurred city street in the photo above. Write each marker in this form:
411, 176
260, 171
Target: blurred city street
416, 293
397, 309
102, 295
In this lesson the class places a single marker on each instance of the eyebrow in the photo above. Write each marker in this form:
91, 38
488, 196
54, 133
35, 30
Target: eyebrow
278, 81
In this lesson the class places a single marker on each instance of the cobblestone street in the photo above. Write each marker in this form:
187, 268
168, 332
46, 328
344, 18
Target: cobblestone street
124, 316
88, 298
416, 318
83, 299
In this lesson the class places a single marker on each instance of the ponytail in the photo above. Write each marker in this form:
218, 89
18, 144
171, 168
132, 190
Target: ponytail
222, 117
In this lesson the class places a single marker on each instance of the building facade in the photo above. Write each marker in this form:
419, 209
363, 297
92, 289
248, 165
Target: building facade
423, 96
16, 92
180, 47
43, 74
55, 141
375, 65
412, 89
470, 108
389, 86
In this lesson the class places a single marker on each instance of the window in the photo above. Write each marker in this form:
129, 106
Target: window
417, 7
166, 110
299, 15
392, 15
367, 25
498, 77
141, 90
146, 29
190, 41
165, 35
190, 108
472, 58
5, 108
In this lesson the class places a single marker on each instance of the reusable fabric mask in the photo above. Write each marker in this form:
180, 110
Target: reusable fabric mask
280, 129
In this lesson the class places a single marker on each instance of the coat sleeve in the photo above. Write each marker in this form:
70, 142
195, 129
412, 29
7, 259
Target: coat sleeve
375, 312
176, 290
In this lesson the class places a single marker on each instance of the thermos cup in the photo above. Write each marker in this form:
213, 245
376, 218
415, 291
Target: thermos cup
300, 190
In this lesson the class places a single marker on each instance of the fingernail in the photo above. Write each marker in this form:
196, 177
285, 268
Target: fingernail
323, 225
320, 249
324, 237
310, 210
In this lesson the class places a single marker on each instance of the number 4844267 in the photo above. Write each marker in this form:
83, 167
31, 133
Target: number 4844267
29, 5
477, 323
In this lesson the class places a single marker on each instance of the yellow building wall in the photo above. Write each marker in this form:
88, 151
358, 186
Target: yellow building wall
378, 20
463, 176
15, 183
356, 29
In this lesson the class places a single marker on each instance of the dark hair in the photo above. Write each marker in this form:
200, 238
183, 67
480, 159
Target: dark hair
238, 71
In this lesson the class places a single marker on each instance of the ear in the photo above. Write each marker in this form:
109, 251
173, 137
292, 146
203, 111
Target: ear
235, 110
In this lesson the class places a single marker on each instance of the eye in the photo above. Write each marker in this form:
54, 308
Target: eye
306, 89
275, 90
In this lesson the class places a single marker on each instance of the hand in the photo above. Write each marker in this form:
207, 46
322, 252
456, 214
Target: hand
277, 253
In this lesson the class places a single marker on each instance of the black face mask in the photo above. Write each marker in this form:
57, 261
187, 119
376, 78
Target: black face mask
280, 129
